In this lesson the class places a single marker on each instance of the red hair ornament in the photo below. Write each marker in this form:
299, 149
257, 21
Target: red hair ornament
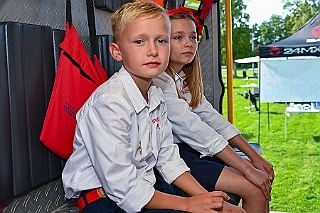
199, 27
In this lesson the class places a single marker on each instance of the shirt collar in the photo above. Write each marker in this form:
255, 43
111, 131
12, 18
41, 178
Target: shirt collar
179, 79
134, 94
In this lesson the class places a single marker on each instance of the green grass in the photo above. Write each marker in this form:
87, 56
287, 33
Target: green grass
296, 160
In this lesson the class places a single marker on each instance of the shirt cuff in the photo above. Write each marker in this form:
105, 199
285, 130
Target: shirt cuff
216, 147
171, 171
230, 132
138, 197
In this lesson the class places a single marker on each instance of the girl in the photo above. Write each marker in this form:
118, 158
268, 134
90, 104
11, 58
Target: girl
201, 132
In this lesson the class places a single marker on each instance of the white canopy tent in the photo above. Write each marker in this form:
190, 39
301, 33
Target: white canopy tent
289, 68
248, 60
290, 79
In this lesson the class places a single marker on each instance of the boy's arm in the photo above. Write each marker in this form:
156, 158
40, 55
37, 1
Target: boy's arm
187, 183
201, 200
104, 128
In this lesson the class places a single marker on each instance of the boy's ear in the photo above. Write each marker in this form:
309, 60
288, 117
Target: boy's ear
115, 51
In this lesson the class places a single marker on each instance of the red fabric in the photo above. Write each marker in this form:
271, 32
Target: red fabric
71, 89
91, 196
199, 15
160, 2
206, 7
190, 12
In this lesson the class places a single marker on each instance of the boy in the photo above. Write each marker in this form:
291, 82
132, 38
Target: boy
122, 131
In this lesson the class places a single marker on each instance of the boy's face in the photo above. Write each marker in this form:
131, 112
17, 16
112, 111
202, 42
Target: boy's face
183, 43
144, 47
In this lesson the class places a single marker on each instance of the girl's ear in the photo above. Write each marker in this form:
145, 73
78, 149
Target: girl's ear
115, 51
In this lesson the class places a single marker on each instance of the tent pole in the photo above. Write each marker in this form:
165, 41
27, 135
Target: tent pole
268, 118
229, 60
259, 122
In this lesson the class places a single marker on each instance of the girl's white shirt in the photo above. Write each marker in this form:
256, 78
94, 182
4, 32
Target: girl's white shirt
119, 139
202, 127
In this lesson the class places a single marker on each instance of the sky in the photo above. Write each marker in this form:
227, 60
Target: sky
262, 10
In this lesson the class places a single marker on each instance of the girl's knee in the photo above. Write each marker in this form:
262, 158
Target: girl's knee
232, 208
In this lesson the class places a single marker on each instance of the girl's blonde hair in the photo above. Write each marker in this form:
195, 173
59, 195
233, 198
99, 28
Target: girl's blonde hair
193, 76
130, 11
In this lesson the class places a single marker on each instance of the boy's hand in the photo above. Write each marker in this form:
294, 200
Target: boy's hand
207, 202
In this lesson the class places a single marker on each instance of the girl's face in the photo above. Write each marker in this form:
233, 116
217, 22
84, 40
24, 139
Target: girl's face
183, 43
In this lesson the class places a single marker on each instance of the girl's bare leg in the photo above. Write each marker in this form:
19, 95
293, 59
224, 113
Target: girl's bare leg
253, 200
230, 208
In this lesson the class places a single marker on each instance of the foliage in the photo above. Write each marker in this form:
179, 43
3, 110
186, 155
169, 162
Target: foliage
272, 31
296, 160
241, 32
298, 12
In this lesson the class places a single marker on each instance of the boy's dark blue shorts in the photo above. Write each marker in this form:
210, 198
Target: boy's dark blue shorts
206, 170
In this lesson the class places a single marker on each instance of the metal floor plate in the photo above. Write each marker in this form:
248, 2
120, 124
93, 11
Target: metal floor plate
47, 198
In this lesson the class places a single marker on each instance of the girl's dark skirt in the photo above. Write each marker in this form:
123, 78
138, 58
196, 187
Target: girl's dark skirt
206, 170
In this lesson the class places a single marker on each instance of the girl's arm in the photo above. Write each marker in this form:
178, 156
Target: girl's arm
216, 121
254, 175
187, 126
257, 160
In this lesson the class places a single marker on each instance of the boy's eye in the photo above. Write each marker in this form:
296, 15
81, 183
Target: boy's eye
177, 37
138, 41
162, 41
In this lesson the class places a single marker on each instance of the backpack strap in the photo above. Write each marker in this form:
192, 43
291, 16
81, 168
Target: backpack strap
92, 29
68, 13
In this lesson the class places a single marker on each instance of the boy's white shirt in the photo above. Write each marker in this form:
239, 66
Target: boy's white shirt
107, 144
202, 127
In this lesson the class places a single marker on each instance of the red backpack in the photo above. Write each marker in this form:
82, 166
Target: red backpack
76, 78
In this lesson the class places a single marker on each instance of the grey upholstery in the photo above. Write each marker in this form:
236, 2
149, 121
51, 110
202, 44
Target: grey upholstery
27, 71
30, 174
109, 64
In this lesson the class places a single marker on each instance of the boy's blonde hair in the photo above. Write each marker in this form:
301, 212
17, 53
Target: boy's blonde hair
193, 75
130, 11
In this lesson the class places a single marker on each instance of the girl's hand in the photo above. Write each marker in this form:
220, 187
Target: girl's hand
260, 179
264, 166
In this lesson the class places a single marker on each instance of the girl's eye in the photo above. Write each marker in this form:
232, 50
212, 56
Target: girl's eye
193, 37
177, 38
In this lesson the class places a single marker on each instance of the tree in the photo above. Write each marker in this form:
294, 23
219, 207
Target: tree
277, 28
241, 39
300, 12
272, 31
